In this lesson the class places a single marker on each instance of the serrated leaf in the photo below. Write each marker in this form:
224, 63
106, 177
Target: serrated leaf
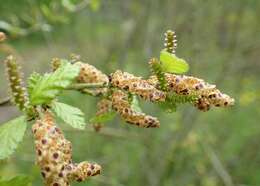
11, 133
46, 88
69, 114
21, 180
32, 81
172, 64
135, 104
108, 116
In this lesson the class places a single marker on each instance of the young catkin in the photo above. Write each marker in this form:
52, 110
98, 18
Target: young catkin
136, 85
54, 155
208, 95
121, 105
103, 106
90, 74
18, 91
170, 41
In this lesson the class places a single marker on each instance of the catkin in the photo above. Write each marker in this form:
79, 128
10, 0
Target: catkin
18, 91
136, 85
54, 155
170, 41
90, 74
208, 95
121, 105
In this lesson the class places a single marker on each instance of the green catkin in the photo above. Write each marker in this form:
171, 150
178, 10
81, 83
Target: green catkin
157, 70
18, 91
170, 41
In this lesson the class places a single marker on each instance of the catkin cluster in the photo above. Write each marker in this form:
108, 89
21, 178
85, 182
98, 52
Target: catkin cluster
54, 155
207, 94
90, 74
136, 85
121, 105
103, 106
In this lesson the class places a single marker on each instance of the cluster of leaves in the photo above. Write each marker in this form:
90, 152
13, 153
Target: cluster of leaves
42, 15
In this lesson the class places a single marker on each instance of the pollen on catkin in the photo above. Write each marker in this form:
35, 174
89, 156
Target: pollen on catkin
90, 74
208, 95
121, 105
103, 106
170, 41
18, 91
136, 85
54, 155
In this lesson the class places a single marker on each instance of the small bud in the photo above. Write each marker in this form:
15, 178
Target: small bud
2, 36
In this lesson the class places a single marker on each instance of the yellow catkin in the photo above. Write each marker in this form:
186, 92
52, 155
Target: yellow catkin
103, 106
54, 155
121, 105
208, 94
136, 85
90, 74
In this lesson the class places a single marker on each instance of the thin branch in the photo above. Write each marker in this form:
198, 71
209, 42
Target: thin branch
5, 101
80, 86
217, 165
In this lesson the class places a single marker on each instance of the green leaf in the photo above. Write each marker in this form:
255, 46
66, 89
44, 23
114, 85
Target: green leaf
32, 81
108, 116
173, 64
70, 115
20, 180
11, 133
135, 104
45, 88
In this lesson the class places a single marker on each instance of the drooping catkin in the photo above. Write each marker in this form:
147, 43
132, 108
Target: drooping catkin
18, 91
121, 105
136, 85
208, 95
170, 41
54, 155
90, 74
103, 106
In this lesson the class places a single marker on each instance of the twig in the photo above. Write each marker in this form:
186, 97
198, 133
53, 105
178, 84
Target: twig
80, 86
217, 164
5, 101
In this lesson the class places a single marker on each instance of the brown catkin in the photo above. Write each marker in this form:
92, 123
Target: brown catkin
90, 74
103, 106
208, 94
136, 85
18, 91
121, 105
54, 155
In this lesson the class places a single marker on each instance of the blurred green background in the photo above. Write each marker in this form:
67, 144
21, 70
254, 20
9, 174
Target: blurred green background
220, 40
